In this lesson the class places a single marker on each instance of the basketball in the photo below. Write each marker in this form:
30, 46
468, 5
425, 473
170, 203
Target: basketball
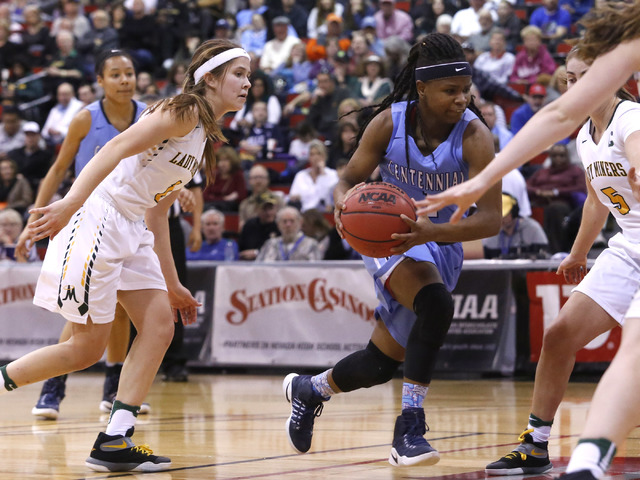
372, 213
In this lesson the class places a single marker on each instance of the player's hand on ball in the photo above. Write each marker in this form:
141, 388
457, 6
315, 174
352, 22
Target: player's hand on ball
420, 233
182, 301
340, 206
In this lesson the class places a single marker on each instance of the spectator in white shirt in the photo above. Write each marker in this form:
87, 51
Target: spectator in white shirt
497, 61
313, 186
465, 22
277, 51
60, 116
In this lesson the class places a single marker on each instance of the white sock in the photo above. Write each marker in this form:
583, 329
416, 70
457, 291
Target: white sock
592, 454
121, 420
540, 434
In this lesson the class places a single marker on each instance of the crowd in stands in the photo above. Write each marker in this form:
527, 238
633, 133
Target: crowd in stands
317, 68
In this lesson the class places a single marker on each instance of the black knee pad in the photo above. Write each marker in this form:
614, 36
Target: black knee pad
433, 307
364, 369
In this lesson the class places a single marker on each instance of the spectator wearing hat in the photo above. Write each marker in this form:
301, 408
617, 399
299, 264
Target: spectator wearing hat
57, 124
222, 29
259, 186
256, 231
392, 22
214, 246
369, 29
292, 244
465, 21
519, 237
341, 63
318, 17
373, 84
534, 102
33, 161
328, 42
533, 59
277, 50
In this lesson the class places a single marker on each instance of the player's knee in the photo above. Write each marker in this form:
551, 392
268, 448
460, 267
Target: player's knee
560, 337
433, 306
363, 369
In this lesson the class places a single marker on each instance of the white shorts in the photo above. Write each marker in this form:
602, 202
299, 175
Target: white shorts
98, 253
614, 279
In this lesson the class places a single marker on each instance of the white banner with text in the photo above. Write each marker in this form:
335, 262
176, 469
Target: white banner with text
293, 316
23, 326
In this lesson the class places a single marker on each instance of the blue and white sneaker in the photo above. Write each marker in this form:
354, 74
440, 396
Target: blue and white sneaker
409, 446
51, 395
306, 405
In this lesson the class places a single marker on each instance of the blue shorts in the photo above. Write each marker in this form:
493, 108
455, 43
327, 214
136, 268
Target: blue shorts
398, 319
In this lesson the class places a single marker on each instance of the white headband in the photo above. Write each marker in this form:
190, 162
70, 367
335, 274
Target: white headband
218, 60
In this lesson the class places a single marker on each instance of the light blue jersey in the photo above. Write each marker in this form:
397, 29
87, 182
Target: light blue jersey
100, 133
424, 175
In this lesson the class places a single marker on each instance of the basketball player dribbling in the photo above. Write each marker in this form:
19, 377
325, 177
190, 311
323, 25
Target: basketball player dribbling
436, 132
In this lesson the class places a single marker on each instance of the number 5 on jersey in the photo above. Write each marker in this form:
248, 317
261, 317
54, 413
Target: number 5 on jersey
618, 200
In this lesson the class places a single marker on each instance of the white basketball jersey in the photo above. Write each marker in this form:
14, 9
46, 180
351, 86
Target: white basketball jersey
141, 181
606, 167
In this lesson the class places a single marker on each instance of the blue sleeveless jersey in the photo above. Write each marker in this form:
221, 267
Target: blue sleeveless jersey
424, 175
100, 133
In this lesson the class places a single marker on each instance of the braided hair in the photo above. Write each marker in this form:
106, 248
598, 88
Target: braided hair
435, 49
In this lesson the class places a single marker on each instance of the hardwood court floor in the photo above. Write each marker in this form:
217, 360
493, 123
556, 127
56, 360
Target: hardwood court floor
232, 427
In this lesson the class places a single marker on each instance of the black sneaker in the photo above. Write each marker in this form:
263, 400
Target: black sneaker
528, 457
110, 388
306, 405
409, 446
578, 475
52, 393
117, 453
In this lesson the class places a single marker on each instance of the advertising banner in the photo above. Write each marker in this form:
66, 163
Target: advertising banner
23, 326
547, 293
482, 334
293, 316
